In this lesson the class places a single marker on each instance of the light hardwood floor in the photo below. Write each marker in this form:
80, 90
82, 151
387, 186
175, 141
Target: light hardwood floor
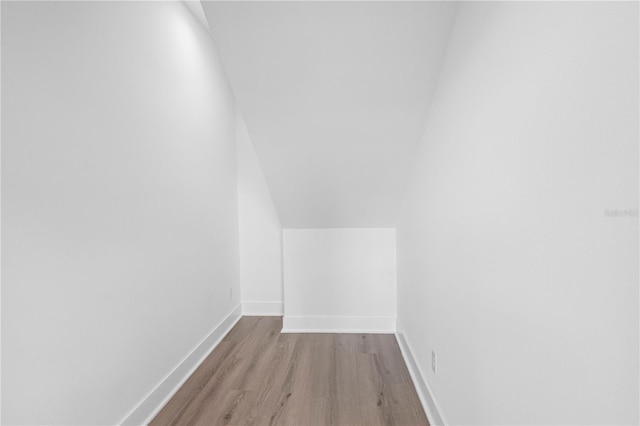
258, 376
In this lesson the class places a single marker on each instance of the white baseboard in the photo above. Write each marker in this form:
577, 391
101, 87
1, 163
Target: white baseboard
338, 324
427, 398
260, 309
151, 405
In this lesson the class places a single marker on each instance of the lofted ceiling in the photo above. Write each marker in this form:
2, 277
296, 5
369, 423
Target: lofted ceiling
334, 95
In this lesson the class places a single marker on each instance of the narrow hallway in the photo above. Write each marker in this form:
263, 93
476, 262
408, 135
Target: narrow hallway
258, 376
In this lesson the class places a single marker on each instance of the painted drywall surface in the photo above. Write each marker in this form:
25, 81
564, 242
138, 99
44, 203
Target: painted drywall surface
334, 95
0, 215
195, 6
339, 273
508, 265
119, 202
260, 230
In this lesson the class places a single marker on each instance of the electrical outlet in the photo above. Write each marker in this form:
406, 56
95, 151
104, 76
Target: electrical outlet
433, 361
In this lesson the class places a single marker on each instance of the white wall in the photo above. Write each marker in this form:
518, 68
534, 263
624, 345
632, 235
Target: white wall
340, 280
508, 266
119, 216
0, 217
260, 234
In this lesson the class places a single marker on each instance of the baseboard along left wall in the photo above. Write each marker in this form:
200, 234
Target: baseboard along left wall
151, 404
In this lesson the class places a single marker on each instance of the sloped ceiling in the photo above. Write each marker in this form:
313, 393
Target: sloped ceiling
195, 6
334, 95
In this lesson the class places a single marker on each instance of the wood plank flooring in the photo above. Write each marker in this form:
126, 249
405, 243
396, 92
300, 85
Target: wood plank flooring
258, 376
